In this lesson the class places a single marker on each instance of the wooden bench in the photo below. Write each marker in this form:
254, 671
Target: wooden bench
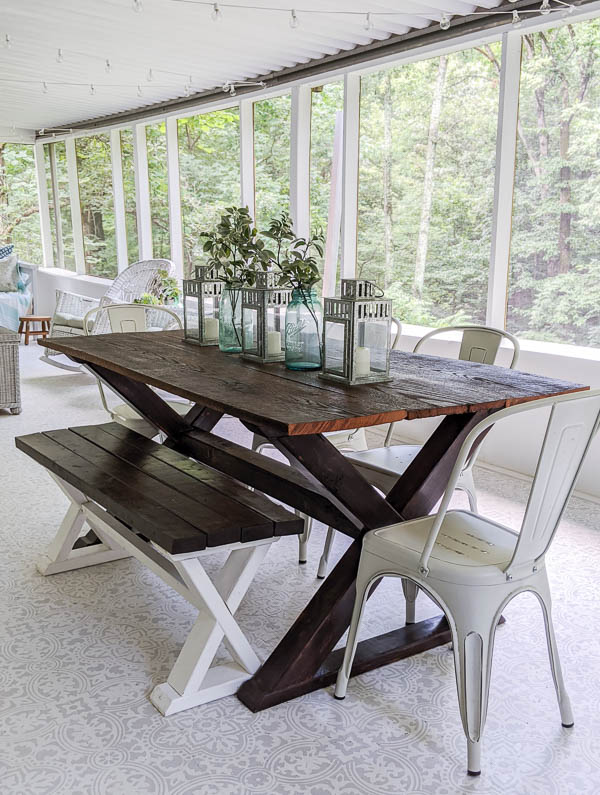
142, 499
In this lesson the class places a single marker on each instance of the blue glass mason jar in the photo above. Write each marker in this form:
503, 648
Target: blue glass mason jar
230, 320
304, 330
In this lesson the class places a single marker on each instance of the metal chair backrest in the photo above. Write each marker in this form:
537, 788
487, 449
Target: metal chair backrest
478, 343
573, 421
125, 318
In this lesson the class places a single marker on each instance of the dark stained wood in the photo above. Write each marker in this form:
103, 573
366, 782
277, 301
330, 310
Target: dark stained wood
301, 403
186, 473
317, 457
269, 476
423, 483
311, 639
164, 503
292, 409
202, 418
370, 654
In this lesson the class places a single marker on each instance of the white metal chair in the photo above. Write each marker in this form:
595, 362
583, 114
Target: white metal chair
123, 318
130, 284
472, 567
352, 440
382, 466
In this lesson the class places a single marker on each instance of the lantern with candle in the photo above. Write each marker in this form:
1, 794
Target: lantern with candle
201, 297
356, 334
263, 319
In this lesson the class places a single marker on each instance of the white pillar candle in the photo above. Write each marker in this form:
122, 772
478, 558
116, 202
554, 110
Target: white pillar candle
211, 328
273, 342
362, 361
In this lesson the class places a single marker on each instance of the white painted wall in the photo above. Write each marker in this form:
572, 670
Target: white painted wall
49, 280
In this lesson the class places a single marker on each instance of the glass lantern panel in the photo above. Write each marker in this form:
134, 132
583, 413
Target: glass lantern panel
191, 317
373, 336
275, 325
250, 330
335, 343
210, 317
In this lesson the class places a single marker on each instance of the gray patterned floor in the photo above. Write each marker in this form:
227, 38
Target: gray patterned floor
79, 653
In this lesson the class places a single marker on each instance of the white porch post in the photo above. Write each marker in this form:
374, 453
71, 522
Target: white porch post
300, 160
247, 186
142, 191
334, 216
75, 205
350, 174
42, 189
175, 220
119, 199
506, 149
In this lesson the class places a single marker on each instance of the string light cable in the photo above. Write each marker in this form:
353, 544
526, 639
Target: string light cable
294, 14
218, 13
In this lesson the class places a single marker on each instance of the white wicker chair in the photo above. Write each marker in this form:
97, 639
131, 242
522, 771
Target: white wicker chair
124, 318
141, 277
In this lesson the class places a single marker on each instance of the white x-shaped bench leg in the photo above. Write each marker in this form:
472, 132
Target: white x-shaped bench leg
61, 554
193, 680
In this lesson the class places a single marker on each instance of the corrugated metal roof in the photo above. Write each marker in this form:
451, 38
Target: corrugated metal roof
176, 41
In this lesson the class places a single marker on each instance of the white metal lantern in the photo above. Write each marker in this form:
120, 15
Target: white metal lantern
263, 319
356, 334
201, 297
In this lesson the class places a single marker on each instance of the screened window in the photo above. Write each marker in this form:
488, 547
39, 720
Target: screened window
325, 141
426, 180
94, 174
156, 142
272, 119
60, 205
209, 169
127, 166
554, 288
19, 213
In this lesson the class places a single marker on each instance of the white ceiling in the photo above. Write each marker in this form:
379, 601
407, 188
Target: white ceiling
177, 37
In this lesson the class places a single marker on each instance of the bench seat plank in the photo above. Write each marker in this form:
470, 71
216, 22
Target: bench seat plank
185, 475
170, 506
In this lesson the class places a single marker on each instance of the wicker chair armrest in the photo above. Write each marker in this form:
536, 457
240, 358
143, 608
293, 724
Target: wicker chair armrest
74, 304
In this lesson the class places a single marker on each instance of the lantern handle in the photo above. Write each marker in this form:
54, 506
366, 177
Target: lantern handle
378, 288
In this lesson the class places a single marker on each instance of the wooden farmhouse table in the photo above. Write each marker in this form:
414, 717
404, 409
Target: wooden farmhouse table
293, 410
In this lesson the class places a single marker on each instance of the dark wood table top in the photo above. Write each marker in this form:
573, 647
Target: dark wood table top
302, 403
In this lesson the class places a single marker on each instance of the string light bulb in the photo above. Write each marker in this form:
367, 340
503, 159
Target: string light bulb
445, 22
368, 22
137, 6
44, 87
7, 41
216, 14
516, 19
294, 22
545, 8
92, 89
107, 66
150, 76
59, 56
139, 91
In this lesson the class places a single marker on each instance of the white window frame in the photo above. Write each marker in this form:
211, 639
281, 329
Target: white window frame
300, 155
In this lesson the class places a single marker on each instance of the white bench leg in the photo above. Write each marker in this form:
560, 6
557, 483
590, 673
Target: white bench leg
60, 555
192, 680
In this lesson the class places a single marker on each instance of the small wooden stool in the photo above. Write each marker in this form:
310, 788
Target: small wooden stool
25, 326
